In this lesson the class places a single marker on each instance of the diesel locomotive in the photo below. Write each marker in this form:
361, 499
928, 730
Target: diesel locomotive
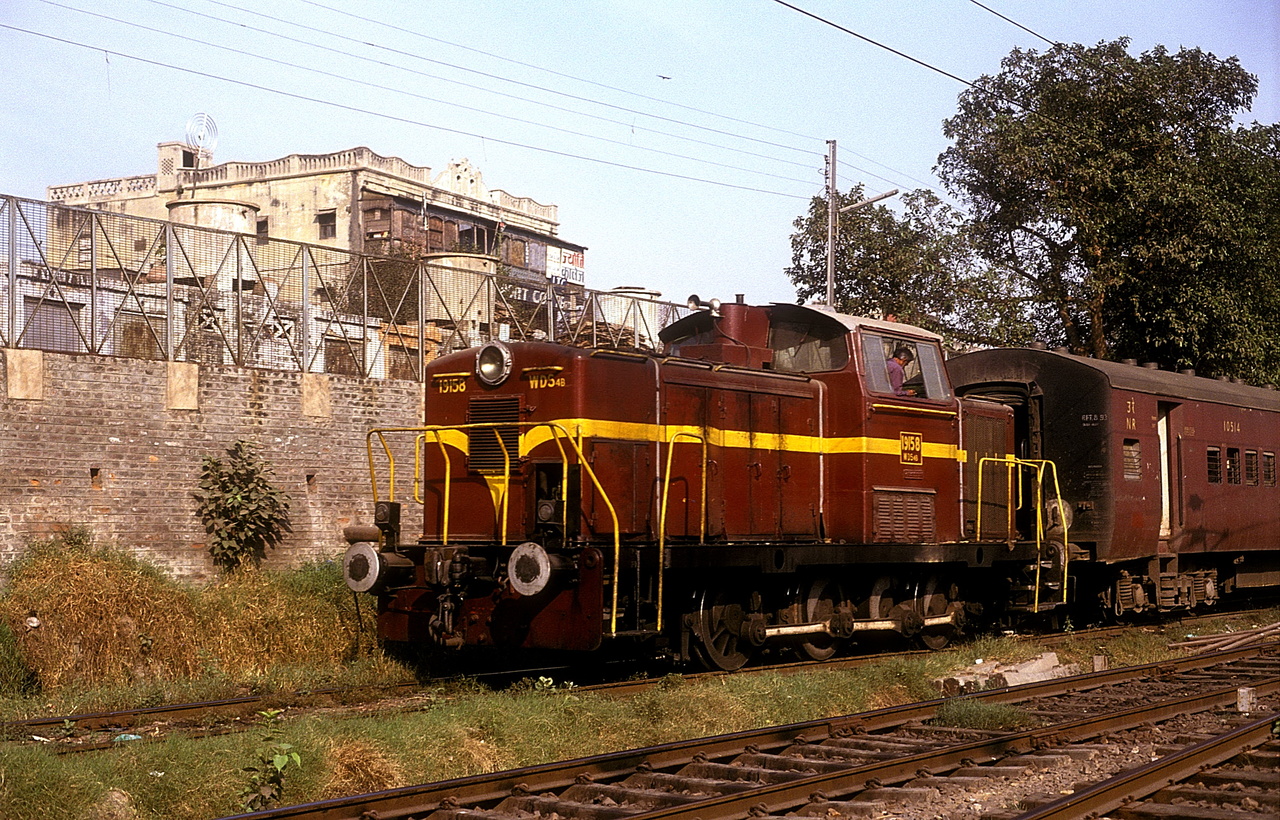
785, 478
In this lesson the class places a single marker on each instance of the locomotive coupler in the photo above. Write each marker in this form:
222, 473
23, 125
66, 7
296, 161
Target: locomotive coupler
442, 623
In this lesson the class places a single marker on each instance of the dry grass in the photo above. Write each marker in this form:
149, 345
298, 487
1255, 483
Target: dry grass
358, 767
108, 620
104, 618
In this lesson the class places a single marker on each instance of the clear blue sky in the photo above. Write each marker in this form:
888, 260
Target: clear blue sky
742, 93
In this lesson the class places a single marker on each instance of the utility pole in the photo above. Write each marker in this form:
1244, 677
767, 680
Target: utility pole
832, 215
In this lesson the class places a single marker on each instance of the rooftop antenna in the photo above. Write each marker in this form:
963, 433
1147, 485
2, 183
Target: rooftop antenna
202, 136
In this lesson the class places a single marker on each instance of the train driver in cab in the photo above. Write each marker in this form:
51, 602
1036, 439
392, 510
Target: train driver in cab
896, 366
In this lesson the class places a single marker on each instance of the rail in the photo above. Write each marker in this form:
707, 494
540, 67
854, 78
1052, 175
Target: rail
1014, 489
662, 516
559, 434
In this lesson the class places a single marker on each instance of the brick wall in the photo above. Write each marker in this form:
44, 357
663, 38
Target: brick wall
101, 442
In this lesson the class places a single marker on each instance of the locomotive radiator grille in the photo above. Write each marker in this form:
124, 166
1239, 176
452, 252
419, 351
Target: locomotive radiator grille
486, 455
903, 516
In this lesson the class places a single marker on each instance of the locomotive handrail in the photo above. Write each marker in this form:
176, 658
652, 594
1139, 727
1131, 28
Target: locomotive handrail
557, 431
1041, 466
417, 485
913, 409
662, 517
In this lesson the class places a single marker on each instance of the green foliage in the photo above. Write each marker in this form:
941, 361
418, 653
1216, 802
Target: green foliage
1116, 195
921, 267
242, 511
266, 773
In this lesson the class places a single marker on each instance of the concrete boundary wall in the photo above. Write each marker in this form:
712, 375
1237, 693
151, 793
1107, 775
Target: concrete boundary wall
116, 444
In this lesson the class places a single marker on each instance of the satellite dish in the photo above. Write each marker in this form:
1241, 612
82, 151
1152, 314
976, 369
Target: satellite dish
202, 134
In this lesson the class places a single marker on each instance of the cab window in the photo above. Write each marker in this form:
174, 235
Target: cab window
907, 368
800, 347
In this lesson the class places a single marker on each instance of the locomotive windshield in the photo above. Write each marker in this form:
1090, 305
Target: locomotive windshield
918, 365
808, 347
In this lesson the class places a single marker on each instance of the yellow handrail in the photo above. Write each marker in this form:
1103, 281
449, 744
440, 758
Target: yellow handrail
557, 430
1041, 467
662, 515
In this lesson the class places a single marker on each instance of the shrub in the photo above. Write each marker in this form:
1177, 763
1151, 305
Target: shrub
242, 511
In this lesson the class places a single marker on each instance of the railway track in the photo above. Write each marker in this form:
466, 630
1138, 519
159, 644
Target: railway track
232, 714
877, 763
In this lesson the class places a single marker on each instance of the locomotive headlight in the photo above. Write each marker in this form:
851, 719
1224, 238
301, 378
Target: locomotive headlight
493, 364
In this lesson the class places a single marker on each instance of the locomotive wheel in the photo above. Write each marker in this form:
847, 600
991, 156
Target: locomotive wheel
820, 604
937, 600
717, 623
889, 601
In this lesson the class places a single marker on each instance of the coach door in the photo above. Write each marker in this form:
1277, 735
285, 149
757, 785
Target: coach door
1168, 463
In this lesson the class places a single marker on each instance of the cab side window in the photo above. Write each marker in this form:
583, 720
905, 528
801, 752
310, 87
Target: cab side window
906, 368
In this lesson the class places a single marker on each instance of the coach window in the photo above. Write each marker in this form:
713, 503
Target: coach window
1132, 459
1233, 465
1251, 467
924, 378
1214, 463
1269, 469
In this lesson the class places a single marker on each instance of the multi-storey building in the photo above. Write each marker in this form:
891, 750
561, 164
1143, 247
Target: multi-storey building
352, 200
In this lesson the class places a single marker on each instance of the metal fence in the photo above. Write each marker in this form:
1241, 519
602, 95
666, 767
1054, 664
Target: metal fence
83, 280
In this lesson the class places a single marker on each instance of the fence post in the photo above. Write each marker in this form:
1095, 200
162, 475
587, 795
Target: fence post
169, 352
11, 338
304, 332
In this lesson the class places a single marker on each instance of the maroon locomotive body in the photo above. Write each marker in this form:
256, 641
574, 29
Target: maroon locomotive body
769, 482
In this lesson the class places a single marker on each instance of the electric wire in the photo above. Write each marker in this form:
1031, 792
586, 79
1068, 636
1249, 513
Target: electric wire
401, 29
557, 73
424, 97
310, 43
394, 118
500, 78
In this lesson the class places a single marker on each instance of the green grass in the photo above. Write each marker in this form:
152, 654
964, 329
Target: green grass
459, 729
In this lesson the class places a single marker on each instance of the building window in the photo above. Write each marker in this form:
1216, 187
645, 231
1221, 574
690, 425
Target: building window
264, 230
1269, 469
1251, 467
435, 234
340, 357
139, 336
328, 224
1214, 464
402, 363
473, 239
51, 325
1233, 465
1132, 460
513, 252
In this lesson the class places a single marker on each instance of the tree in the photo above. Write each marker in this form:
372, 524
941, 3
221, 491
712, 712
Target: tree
1117, 194
920, 266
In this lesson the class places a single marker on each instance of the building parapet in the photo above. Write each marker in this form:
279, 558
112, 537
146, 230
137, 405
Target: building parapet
139, 186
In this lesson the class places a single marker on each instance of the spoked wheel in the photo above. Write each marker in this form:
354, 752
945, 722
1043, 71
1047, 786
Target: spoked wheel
936, 600
717, 624
820, 604
889, 601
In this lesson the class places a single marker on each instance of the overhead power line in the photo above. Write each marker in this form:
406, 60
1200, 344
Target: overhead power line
392, 117
553, 72
415, 95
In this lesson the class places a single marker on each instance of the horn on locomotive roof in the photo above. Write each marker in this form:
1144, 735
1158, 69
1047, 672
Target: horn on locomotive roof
695, 303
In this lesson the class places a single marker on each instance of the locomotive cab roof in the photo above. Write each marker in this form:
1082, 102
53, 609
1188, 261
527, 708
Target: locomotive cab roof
764, 336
